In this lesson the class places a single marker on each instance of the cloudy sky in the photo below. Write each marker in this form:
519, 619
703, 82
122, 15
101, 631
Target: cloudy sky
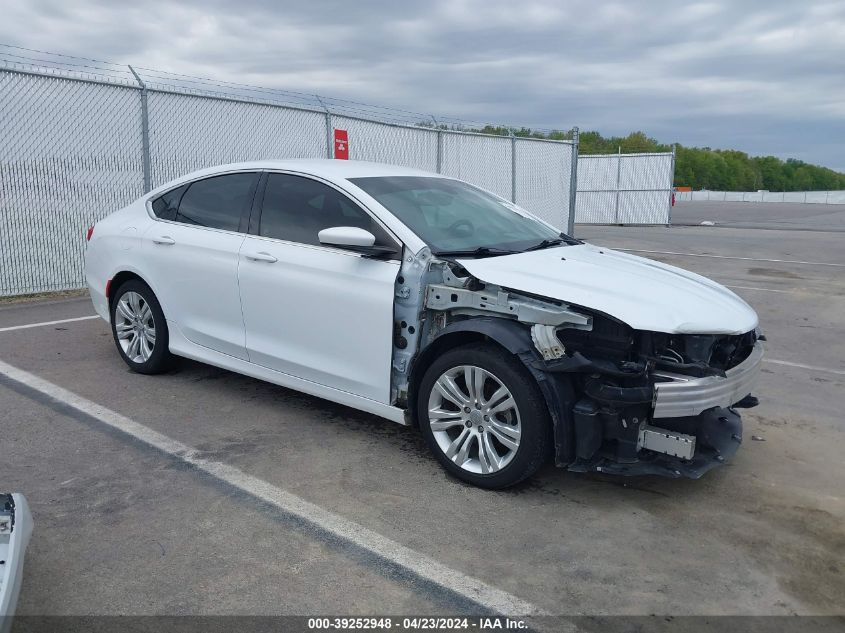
766, 77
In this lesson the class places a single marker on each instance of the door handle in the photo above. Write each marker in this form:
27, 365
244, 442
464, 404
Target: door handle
261, 256
164, 239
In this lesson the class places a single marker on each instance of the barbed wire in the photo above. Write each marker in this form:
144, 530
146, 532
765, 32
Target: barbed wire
88, 68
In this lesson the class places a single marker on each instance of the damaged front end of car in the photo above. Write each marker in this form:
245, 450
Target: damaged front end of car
622, 401
654, 403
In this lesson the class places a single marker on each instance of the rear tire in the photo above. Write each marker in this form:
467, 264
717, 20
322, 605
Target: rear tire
140, 329
484, 417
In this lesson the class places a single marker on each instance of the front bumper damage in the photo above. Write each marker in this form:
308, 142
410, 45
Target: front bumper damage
680, 395
689, 426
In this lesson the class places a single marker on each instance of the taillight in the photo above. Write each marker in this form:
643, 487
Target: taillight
89, 233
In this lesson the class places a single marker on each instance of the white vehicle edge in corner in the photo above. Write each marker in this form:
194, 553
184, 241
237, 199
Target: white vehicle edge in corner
15, 532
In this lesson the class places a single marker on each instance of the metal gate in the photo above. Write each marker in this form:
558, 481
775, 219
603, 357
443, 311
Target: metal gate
625, 188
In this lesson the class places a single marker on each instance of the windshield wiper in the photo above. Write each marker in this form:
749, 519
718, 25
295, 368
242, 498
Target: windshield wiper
555, 241
481, 251
546, 244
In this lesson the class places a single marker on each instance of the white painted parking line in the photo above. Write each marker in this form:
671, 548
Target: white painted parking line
750, 259
840, 372
422, 566
45, 323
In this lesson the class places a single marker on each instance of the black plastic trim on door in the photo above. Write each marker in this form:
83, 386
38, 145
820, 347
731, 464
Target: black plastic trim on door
255, 210
249, 209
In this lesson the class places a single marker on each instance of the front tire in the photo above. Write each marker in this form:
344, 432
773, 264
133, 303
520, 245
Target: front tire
139, 328
484, 417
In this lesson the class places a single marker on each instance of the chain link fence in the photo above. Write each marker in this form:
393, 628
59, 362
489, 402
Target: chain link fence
79, 141
808, 197
70, 152
189, 132
539, 189
389, 143
625, 188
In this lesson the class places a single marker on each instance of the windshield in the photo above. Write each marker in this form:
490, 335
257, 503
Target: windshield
454, 217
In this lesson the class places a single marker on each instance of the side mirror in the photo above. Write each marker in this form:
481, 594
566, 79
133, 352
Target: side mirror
354, 239
346, 236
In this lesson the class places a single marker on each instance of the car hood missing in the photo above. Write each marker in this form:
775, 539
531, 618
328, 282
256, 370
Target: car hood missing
645, 294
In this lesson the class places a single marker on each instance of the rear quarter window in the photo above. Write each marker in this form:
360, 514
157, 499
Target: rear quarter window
166, 206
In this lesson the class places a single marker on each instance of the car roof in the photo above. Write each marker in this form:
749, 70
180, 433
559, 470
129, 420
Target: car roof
330, 169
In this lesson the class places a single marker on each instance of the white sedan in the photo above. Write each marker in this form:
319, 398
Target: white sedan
428, 301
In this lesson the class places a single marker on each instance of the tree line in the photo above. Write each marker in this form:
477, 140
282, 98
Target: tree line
703, 167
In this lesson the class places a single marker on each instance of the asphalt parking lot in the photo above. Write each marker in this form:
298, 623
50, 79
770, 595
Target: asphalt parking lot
770, 215
124, 528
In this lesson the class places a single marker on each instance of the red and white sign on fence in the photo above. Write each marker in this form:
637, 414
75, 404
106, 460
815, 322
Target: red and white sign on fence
341, 144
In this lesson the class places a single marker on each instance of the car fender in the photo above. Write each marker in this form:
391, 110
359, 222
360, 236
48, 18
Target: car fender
515, 337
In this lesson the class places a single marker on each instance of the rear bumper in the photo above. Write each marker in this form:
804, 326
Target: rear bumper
100, 302
95, 280
686, 396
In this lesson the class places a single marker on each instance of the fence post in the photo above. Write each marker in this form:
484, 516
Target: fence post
513, 167
329, 139
145, 132
573, 183
672, 185
439, 144
618, 182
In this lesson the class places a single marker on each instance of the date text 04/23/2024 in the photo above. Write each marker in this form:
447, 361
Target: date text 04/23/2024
416, 623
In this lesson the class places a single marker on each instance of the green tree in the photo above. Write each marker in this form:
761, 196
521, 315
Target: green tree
637, 143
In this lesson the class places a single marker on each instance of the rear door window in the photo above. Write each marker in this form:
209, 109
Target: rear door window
217, 203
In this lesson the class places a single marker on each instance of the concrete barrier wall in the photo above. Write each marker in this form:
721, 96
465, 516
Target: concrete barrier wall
809, 197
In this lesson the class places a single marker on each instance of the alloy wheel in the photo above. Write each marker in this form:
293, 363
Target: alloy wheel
135, 327
474, 419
